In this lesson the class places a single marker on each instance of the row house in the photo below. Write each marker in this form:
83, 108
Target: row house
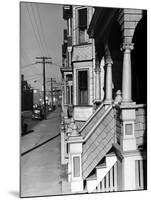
66, 70
104, 140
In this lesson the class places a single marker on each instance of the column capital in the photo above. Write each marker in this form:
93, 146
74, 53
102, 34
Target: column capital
97, 69
108, 60
127, 46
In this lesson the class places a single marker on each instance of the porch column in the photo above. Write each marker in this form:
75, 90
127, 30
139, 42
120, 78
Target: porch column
97, 80
69, 43
108, 62
69, 56
127, 75
70, 91
65, 89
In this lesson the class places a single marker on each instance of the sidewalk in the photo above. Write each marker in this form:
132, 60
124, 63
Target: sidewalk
41, 169
43, 131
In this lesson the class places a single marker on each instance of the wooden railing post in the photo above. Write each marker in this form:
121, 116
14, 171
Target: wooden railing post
75, 156
111, 179
115, 177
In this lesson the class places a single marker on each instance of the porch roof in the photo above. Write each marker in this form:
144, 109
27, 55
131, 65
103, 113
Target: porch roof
101, 22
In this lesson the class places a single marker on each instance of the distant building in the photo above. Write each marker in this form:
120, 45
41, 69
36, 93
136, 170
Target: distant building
26, 95
104, 142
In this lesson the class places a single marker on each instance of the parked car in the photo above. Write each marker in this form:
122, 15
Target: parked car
50, 109
38, 113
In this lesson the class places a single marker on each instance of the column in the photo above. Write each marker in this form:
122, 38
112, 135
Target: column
69, 26
70, 94
128, 173
64, 160
69, 43
69, 56
97, 81
108, 62
128, 146
127, 77
65, 89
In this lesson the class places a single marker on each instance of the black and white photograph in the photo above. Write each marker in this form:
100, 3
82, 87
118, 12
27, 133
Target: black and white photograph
83, 99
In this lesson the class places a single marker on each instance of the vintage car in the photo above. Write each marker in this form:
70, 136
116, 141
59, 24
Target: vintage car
38, 113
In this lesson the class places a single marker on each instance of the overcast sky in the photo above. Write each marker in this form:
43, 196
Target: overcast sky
41, 35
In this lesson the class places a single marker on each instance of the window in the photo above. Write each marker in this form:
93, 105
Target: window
83, 87
82, 24
68, 95
69, 90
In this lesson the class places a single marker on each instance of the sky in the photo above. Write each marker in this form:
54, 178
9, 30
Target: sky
41, 34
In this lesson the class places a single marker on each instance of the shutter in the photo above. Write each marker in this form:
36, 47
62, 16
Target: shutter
64, 50
67, 12
83, 18
65, 35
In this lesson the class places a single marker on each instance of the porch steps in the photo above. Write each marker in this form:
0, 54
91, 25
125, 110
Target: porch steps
98, 141
101, 170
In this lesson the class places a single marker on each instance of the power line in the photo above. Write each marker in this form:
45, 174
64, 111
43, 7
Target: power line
38, 32
33, 79
34, 75
57, 65
28, 65
42, 30
31, 21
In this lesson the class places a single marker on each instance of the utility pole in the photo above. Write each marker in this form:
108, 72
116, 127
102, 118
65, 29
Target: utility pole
52, 80
44, 61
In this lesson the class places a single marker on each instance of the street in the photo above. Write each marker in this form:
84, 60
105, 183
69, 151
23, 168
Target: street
41, 170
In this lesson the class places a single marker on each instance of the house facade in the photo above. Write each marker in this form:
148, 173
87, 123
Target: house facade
104, 140
66, 70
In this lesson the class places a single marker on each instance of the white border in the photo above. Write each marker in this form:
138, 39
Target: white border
9, 100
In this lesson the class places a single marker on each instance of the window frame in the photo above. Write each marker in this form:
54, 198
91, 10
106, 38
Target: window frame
78, 29
77, 91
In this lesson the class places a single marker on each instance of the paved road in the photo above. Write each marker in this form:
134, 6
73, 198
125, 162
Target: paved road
41, 170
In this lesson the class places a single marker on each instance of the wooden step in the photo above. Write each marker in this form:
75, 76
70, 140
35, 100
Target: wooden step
110, 154
91, 177
101, 166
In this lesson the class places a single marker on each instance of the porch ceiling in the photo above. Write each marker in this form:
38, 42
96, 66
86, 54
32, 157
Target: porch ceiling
101, 23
